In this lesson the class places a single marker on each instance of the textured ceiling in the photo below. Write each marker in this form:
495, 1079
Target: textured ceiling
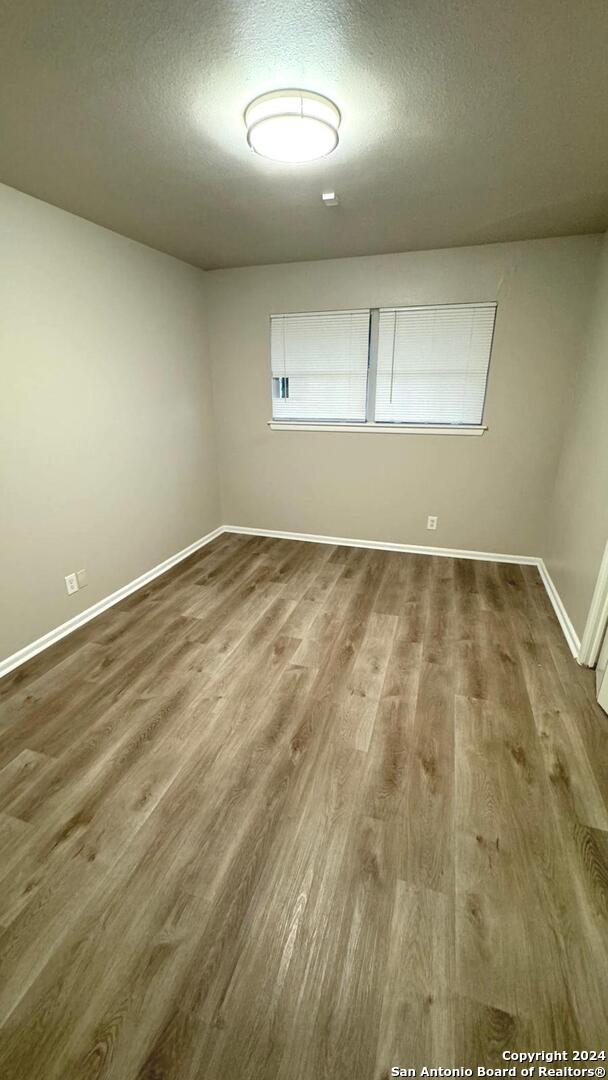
464, 121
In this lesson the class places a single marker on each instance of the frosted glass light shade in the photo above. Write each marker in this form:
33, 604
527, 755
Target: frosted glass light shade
292, 125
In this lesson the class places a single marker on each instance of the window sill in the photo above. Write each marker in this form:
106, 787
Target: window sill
383, 429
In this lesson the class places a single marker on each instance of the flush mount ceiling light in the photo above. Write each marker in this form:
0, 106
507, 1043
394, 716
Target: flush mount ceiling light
292, 125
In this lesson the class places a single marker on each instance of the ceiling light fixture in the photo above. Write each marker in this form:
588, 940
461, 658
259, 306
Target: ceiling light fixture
292, 126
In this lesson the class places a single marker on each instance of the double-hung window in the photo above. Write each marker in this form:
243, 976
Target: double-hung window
319, 366
407, 368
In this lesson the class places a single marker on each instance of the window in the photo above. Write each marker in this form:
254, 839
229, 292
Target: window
411, 367
433, 363
319, 365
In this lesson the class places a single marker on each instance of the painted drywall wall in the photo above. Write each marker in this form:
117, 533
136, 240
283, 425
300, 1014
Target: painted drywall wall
107, 459
489, 493
578, 525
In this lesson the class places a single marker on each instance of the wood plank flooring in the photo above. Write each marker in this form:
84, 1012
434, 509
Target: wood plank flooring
300, 812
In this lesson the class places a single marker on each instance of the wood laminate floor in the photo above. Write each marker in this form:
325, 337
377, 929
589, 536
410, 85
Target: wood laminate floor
300, 812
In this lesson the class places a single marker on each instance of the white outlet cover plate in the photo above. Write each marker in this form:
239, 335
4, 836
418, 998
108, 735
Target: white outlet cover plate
71, 583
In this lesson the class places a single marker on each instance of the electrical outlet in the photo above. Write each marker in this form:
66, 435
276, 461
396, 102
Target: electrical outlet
431, 522
83, 579
71, 583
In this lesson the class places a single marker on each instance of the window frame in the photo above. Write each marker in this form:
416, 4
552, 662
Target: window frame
387, 427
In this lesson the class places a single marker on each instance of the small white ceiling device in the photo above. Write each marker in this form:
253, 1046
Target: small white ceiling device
292, 126
330, 198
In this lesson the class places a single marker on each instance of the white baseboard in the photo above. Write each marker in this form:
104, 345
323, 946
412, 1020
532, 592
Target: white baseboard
382, 545
569, 632
68, 627
453, 553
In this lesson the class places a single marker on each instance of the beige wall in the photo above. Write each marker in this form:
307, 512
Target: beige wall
490, 493
106, 446
578, 528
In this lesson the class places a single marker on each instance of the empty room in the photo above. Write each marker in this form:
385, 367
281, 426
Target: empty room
304, 539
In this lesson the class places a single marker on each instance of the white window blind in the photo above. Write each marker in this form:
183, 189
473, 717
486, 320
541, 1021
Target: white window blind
319, 365
432, 365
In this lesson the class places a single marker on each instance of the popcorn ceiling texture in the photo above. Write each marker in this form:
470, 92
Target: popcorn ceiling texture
462, 123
